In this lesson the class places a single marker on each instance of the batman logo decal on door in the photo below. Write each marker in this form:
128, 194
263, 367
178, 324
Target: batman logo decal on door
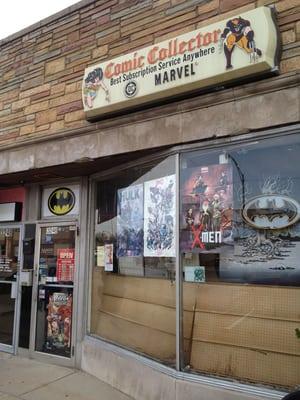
61, 201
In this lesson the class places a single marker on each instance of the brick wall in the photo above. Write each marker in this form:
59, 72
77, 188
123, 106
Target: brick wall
41, 71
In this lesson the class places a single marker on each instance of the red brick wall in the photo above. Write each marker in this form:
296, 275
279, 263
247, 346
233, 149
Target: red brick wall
41, 71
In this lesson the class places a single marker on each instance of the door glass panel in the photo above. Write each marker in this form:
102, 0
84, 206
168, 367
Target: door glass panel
26, 296
7, 312
9, 263
55, 290
54, 320
25, 316
9, 253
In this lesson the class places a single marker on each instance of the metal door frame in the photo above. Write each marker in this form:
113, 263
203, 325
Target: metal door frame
15, 339
47, 357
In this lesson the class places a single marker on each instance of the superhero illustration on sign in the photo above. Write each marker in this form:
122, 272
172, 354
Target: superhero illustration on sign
238, 33
206, 207
92, 83
61, 201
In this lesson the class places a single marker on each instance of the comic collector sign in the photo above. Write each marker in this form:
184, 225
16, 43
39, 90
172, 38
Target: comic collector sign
240, 46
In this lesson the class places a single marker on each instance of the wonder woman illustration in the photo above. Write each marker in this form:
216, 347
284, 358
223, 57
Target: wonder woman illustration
94, 82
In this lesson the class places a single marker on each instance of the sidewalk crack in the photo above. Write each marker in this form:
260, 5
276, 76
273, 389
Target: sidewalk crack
47, 383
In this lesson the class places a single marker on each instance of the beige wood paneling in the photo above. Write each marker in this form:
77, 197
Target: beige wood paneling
148, 290
264, 301
239, 331
254, 333
149, 315
143, 339
245, 364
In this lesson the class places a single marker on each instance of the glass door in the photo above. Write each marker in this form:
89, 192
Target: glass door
55, 291
9, 267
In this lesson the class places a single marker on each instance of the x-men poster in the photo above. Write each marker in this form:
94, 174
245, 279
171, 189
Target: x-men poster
206, 213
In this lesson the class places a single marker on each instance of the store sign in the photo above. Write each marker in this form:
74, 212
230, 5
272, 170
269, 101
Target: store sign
236, 47
65, 265
10, 212
61, 201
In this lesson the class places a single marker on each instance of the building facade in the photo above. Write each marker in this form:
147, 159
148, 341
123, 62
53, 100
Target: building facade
150, 195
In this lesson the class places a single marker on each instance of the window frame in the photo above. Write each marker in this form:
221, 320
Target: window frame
210, 144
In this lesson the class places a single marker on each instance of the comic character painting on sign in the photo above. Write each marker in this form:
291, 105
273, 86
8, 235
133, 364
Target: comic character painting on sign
92, 83
238, 33
206, 215
130, 221
159, 217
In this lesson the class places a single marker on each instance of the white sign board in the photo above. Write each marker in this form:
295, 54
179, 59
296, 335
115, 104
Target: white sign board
240, 46
61, 201
9, 212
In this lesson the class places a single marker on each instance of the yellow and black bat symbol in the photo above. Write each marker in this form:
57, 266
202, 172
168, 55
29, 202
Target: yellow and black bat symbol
61, 201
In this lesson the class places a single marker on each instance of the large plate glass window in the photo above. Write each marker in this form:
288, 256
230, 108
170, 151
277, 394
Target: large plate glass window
133, 276
240, 251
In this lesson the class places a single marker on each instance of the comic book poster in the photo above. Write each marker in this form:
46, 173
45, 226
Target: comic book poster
266, 234
159, 217
59, 320
206, 207
108, 257
130, 221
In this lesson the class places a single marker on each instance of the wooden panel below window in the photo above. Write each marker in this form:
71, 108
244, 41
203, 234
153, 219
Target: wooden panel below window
234, 331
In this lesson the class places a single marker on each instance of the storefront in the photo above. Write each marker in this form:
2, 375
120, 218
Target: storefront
39, 269
150, 206
198, 245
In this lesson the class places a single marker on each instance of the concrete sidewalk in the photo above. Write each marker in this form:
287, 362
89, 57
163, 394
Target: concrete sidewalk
25, 379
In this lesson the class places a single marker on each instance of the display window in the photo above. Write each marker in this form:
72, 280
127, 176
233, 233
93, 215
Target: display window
133, 281
232, 214
240, 249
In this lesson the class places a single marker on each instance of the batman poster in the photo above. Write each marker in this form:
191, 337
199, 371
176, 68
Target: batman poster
266, 235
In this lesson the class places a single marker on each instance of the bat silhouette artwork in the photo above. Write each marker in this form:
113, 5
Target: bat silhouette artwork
61, 201
271, 212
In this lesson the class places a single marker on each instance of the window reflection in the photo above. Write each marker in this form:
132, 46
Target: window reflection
240, 242
9, 263
133, 293
9, 253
